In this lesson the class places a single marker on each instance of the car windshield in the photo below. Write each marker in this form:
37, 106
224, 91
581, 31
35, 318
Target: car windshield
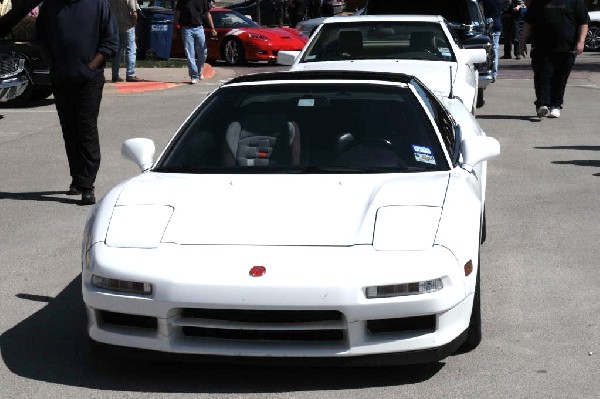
452, 10
379, 40
306, 128
231, 19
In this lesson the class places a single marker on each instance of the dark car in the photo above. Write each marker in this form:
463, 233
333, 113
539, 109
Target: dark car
273, 12
22, 60
466, 19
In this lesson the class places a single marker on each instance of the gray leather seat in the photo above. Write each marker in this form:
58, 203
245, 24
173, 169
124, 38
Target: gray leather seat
263, 139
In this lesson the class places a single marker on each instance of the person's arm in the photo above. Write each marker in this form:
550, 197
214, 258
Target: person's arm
582, 33
211, 24
109, 38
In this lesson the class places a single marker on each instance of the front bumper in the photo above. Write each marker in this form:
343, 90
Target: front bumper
265, 53
485, 78
13, 78
310, 304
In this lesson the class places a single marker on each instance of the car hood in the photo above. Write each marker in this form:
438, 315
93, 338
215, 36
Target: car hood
435, 74
275, 34
275, 209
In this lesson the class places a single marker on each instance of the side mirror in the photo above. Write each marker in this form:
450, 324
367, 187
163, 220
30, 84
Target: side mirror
474, 55
141, 151
478, 149
287, 57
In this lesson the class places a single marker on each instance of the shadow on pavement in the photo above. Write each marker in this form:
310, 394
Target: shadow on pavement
44, 196
513, 117
52, 345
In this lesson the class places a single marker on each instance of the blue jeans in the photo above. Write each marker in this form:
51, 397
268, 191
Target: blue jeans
127, 44
495, 48
194, 45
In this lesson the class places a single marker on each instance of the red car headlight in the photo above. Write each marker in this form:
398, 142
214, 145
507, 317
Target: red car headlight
257, 36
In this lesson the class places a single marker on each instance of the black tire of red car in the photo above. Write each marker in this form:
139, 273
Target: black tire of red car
474, 331
592, 40
480, 97
233, 52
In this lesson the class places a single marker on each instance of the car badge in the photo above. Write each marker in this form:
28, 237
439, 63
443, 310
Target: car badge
258, 271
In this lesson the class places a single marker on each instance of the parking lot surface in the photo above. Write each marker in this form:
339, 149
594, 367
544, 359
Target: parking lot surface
541, 315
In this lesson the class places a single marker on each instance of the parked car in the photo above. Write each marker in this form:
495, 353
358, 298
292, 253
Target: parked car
24, 76
239, 39
270, 14
309, 26
592, 41
298, 215
13, 79
464, 16
420, 45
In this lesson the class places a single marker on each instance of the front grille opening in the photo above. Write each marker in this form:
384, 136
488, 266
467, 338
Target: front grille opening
259, 335
263, 316
425, 324
128, 320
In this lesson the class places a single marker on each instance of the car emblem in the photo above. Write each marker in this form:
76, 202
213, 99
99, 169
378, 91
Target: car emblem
258, 271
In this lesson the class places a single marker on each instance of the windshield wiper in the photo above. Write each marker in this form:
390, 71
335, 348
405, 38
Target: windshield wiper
180, 169
314, 169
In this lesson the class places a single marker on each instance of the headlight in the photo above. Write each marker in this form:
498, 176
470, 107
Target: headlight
406, 228
256, 36
138, 226
113, 284
389, 291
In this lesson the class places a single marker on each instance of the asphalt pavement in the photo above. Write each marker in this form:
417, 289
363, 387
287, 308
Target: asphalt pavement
540, 280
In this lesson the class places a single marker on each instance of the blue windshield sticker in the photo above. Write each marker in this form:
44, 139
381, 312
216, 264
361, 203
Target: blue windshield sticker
306, 102
419, 149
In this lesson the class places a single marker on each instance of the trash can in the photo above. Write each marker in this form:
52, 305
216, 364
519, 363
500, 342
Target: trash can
154, 32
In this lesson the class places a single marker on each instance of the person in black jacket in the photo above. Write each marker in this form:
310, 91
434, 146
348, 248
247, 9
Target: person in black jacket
77, 37
558, 29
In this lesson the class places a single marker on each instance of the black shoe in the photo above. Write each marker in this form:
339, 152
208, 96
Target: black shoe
87, 197
133, 79
506, 57
73, 190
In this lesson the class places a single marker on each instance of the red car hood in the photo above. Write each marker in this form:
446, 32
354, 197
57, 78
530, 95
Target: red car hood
274, 34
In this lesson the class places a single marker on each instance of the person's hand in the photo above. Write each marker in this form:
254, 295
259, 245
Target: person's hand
579, 48
213, 32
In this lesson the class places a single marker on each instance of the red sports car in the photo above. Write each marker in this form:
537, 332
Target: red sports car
239, 39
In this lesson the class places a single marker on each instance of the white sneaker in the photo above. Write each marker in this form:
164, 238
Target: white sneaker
554, 113
194, 81
542, 111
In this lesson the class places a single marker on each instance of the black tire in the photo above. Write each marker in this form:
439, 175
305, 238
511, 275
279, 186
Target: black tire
592, 40
233, 52
480, 97
41, 93
474, 331
483, 228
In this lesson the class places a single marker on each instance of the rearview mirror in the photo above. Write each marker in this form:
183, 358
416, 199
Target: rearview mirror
139, 150
287, 57
474, 55
478, 149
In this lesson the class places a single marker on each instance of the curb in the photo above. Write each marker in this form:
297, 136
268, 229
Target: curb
155, 79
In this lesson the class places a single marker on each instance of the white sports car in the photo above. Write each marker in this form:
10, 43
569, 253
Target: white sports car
418, 45
304, 215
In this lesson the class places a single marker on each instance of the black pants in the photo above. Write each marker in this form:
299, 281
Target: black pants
78, 105
510, 25
551, 71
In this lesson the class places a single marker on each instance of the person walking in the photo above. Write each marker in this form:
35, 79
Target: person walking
558, 29
126, 13
510, 23
297, 12
327, 8
493, 9
189, 15
77, 37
